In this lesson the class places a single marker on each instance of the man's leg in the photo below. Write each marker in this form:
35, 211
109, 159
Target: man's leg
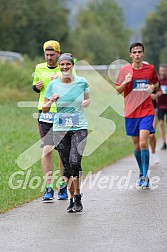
162, 134
62, 192
47, 163
137, 154
46, 134
152, 140
144, 136
161, 114
141, 153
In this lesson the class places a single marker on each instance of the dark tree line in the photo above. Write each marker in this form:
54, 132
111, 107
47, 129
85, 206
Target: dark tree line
99, 37
26, 24
154, 35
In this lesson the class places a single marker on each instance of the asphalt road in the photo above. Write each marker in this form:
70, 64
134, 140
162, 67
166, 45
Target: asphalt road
117, 216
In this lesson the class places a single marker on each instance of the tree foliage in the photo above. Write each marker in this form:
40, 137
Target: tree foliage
154, 35
26, 24
136, 11
100, 36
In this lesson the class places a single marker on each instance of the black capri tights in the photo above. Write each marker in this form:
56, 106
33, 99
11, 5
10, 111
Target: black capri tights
71, 145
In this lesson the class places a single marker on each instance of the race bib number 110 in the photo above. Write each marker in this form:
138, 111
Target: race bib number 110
140, 85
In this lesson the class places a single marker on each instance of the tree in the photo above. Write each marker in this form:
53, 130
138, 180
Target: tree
163, 54
25, 27
100, 36
154, 35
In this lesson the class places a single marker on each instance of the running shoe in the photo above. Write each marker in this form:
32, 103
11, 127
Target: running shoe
77, 204
70, 207
164, 146
155, 158
145, 183
48, 195
140, 181
62, 193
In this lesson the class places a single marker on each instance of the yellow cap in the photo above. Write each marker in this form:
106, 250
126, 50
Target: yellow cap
51, 45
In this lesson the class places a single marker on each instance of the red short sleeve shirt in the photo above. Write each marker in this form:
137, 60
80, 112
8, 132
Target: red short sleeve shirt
138, 103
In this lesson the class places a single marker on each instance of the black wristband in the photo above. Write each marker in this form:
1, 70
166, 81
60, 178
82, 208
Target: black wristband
35, 89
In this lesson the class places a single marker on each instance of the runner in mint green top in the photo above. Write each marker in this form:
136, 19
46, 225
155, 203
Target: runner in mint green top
71, 94
70, 114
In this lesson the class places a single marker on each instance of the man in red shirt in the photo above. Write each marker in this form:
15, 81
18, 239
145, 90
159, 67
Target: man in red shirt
138, 80
162, 103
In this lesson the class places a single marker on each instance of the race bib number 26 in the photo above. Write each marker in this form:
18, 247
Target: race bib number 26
69, 120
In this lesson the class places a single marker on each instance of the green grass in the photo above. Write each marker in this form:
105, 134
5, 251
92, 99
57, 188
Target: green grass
18, 132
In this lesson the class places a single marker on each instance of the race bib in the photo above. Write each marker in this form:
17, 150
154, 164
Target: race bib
139, 85
69, 120
47, 117
164, 89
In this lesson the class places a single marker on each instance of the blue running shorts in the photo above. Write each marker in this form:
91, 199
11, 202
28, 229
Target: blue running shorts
134, 125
